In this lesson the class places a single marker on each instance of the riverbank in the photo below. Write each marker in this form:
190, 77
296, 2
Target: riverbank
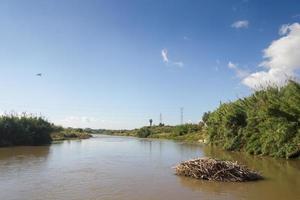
265, 123
30, 130
25, 130
68, 134
191, 133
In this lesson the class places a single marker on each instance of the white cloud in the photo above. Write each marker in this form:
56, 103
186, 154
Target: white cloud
80, 122
165, 57
179, 64
107, 122
282, 59
284, 29
240, 24
240, 73
232, 65
164, 54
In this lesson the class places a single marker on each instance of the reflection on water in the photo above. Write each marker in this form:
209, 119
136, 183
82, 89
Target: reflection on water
7, 153
282, 177
107, 167
14, 159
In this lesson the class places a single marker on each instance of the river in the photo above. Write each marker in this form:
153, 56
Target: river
125, 168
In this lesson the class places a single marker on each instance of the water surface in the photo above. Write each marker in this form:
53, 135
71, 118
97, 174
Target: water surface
124, 168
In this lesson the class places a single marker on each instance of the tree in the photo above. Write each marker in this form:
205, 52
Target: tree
144, 132
150, 121
205, 117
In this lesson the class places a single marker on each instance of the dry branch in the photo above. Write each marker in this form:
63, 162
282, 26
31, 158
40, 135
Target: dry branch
217, 170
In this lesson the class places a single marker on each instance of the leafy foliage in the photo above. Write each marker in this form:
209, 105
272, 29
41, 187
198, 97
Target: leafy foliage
24, 130
205, 117
186, 129
265, 123
144, 132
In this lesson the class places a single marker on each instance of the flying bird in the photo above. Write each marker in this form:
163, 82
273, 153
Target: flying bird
39, 74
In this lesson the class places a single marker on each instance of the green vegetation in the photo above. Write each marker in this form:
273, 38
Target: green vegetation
186, 132
32, 130
144, 132
265, 123
70, 133
24, 130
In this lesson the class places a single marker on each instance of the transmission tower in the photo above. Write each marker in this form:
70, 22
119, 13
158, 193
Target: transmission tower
160, 118
181, 115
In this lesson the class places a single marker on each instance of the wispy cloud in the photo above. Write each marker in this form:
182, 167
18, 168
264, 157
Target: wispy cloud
240, 24
81, 122
179, 64
281, 59
232, 65
164, 54
218, 62
186, 38
283, 29
240, 73
166, 60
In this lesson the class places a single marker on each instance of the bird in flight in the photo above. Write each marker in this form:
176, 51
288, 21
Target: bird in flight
39, 74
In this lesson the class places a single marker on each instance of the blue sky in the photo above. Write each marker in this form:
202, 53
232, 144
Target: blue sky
116, 64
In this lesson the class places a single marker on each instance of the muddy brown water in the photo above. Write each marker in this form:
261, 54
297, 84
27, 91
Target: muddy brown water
125, 168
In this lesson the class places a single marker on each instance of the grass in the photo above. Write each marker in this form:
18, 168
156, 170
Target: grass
186, 132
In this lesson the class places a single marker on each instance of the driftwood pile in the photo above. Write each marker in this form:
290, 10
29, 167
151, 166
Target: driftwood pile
216, 170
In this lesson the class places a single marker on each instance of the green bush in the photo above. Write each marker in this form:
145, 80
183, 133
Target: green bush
266, 122
184, 129
70, 133
144, 132
24, 130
